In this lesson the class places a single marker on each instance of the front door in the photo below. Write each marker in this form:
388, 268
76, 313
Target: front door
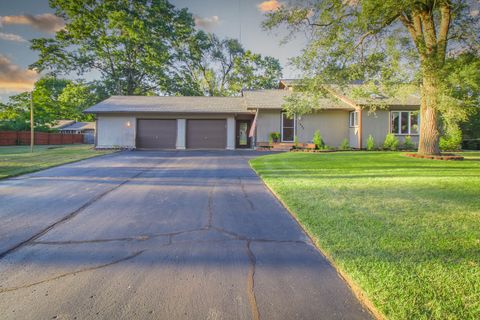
242, 138
288, 128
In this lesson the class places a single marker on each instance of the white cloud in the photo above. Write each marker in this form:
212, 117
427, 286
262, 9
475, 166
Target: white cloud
270, 5
11, 37
46, 22
14, 78
207, 22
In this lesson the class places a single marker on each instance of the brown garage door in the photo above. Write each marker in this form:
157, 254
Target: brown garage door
206, 134
156, 134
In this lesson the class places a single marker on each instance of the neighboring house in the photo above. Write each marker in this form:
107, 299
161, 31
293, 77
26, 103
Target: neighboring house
71, 126
172, 122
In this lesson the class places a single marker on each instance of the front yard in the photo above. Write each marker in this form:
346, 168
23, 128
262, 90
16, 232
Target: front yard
18, 160
406, 231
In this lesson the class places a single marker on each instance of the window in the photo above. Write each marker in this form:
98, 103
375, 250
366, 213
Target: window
404, 122
353, 119
288, 128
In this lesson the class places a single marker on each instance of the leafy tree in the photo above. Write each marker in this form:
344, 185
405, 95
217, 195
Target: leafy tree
387, 42
218, 67
131, 44
53, 99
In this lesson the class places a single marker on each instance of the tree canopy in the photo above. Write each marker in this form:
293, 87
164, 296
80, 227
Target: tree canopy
131, 44
53, 99
216, 67
385, 42
149, 47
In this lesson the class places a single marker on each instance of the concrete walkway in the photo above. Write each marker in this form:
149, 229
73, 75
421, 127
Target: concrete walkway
159, 235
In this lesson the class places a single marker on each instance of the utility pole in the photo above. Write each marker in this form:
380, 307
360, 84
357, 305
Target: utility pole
32, 135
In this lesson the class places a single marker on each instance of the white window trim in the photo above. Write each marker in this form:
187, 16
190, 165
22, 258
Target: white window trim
294, 128
355, 119
409, 123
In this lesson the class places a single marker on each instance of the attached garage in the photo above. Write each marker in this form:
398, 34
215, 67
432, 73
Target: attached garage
156, 134
206, 134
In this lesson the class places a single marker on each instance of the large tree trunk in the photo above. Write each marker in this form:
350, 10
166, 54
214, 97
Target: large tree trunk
429, 133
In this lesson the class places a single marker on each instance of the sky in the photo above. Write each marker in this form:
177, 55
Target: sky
23, 20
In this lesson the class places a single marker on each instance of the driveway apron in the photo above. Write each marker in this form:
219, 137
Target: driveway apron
159, 235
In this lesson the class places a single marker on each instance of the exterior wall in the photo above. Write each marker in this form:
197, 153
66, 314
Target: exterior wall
268, 121
353, 136
231, 133
332, 124
181, 134
377, 124
113, 132
116, 131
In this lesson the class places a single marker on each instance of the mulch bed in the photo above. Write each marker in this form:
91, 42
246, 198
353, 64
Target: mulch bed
441, 157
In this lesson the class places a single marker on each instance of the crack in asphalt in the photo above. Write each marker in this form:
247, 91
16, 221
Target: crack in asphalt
210, 207
245, 195
72, 214
63, 275
251, 283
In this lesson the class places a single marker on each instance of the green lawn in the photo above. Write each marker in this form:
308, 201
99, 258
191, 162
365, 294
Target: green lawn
406, 231
18, 159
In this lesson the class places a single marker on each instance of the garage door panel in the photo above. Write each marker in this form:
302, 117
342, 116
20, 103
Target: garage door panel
207, 134
156, 134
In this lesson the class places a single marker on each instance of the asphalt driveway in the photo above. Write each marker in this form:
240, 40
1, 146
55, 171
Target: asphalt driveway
159, 235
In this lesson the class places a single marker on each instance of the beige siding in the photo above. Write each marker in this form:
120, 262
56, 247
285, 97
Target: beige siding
377, 124
332, 124
353, 137
267, 121
114, 132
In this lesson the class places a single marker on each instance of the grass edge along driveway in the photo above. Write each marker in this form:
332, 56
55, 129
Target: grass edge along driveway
17, 160
406, 231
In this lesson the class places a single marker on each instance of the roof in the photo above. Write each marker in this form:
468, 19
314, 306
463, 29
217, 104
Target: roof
119, 104
62, 123
274, 99
79, 126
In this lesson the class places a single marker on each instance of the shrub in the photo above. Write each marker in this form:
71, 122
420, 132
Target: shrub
318, 141
345, 145
295, 142
452, 142
408, 144
370, 143
391, 142
275, 136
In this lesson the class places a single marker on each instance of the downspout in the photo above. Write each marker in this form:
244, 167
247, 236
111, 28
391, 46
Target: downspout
253, 128
360, 128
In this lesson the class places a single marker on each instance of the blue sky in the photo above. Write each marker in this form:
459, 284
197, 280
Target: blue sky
22, 20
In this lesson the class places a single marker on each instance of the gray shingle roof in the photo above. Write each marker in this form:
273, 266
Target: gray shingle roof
356, 93
274, 99
170, 104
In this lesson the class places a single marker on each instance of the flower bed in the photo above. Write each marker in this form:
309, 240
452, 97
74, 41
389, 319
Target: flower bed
431, 157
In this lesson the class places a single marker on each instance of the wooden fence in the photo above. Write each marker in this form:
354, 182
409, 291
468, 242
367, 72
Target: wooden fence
12, 138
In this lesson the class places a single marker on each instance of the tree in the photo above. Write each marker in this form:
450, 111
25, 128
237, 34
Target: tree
218, 67
53, 99
377, 40
130, 43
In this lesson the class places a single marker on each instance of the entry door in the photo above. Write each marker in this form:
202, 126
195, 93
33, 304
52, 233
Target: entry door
288, 128
242, 138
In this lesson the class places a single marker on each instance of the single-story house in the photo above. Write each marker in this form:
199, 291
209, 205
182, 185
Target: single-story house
72, 126
177, 122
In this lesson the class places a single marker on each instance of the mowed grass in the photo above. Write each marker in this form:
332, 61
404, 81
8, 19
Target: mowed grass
406, 231
18, 160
